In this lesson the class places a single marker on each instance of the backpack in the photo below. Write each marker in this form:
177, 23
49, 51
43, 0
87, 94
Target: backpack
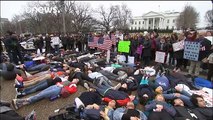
203, 82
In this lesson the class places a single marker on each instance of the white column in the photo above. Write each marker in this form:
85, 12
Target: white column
147, 23
160, 23
153, 23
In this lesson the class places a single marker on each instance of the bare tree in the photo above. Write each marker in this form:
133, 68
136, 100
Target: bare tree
107, 16
209, 17
188, 18
124, 16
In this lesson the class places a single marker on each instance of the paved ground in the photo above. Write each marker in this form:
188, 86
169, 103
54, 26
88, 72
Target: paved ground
43, 108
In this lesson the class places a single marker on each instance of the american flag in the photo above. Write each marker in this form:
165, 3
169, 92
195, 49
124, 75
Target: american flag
113, 38
92, 41
104, 43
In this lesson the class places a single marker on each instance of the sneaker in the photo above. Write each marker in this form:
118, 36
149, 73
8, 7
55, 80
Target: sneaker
178, 70
16, 104
117, 86
31, 116
19, 95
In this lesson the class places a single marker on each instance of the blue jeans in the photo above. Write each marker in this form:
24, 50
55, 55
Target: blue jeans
46, 93
37, 67
104, 81
37, 87
102, 89
118, 113
185, 99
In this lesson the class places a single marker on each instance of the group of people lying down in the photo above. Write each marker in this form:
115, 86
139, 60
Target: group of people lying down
109, 90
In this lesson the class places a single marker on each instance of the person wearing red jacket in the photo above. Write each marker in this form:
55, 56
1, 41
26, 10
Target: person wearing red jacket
110, 93
50, 92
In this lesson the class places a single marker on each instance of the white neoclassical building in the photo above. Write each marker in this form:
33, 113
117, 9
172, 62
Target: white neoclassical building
155, 20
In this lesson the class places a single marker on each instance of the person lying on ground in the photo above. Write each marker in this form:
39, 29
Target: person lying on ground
97, 112
53, 91
37, 87
183, 112
87, 98
110, 93
145, 91
128, 85
128, 113
158, 109
201, 107
83, 77
99, 79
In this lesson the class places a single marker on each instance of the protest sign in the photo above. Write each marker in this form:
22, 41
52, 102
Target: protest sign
121, 58
178, 46
131, 59
160, 57
191, 50
124, 46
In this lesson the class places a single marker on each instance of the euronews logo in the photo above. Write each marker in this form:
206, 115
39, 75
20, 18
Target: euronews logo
42, 10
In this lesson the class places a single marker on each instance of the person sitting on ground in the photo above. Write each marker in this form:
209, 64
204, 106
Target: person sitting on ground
159, 109
199, 102
51, 92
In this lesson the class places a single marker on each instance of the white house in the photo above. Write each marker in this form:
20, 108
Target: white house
155, 20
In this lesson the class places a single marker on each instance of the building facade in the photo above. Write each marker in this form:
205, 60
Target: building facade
155, 20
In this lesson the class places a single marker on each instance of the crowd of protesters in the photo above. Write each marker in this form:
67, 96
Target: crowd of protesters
112, 90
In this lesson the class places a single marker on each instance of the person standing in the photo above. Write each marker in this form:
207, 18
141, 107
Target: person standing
56, 42
146, 53
48, 44
7, 43
40, 43
178, 55
1, 50
16, 51
64, 41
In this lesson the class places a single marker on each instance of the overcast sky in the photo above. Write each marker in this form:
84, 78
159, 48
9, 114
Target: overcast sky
10, 8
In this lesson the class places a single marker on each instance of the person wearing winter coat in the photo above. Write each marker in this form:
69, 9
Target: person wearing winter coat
158, 109
146, 53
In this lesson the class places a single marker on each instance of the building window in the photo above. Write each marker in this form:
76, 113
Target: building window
173, 27
139, 28
174, 21
135, 28
132, 28
167, 27
149, 21
143, 22
167, 21
139, 22
135, 23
